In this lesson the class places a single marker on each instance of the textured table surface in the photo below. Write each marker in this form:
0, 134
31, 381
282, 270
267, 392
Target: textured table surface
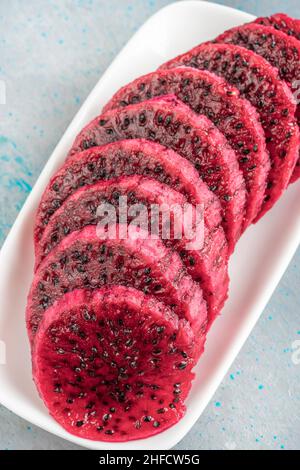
52, 53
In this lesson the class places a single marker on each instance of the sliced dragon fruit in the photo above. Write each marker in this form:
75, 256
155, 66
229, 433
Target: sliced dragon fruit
259, 82
125, 158
95, 256
203, 251
170, 122
113, 364
209, 94
282, 22
281, 50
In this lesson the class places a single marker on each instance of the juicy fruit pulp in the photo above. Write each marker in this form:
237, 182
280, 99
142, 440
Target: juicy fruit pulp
206, 93
282, 22
206, 262
171, 123
259, 82
85, 259
282, 51
126, 158
113, 364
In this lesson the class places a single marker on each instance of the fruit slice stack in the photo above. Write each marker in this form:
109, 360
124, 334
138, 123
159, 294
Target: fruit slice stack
117, 318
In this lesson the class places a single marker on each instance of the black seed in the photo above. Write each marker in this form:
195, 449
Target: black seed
100, 428
102, 122
182, 365
161, 411
156, 424
156, 352
147, 419
160, 329
90, 405
192, 261
106, 417
112, 410
142, 118
109, 432
79, 424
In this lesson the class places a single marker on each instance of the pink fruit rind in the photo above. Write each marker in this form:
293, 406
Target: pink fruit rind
86, 259
208, 94
281, 50
168, 121
126, 158
205, 261
259, 82
113, 364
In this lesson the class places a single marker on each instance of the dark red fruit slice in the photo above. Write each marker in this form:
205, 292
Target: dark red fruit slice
168, 121
125, 158
259, 82
85, 259
113, 364
291, 27
282, 22
279, 49
205, 261
208, 94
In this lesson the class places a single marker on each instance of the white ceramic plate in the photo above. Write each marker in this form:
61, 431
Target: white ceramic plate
260, 260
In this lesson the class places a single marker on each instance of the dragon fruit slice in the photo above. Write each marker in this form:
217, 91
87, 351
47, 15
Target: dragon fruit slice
113, 364
208, 94
282, 22
281, 50
125, 158
203, 252
170, 122
259, 82
89, 259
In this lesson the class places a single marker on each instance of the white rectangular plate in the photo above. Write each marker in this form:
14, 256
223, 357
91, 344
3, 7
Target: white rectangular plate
260, 260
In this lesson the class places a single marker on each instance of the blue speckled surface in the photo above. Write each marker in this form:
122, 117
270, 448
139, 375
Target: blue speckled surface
52, 53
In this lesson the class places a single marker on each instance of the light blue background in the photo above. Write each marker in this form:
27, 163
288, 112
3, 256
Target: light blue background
52, 53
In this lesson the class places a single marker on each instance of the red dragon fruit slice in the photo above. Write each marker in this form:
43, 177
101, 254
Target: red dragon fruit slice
125, 158
203, 252
170, 122
87, 259
282, 22
208, 94
259, 82
113, 364
281, 50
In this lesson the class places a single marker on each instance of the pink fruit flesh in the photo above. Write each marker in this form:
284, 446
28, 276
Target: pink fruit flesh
126, 158
113, 364
279, 49
168, 121
85, 259
205, 261
259, 82
206, 93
